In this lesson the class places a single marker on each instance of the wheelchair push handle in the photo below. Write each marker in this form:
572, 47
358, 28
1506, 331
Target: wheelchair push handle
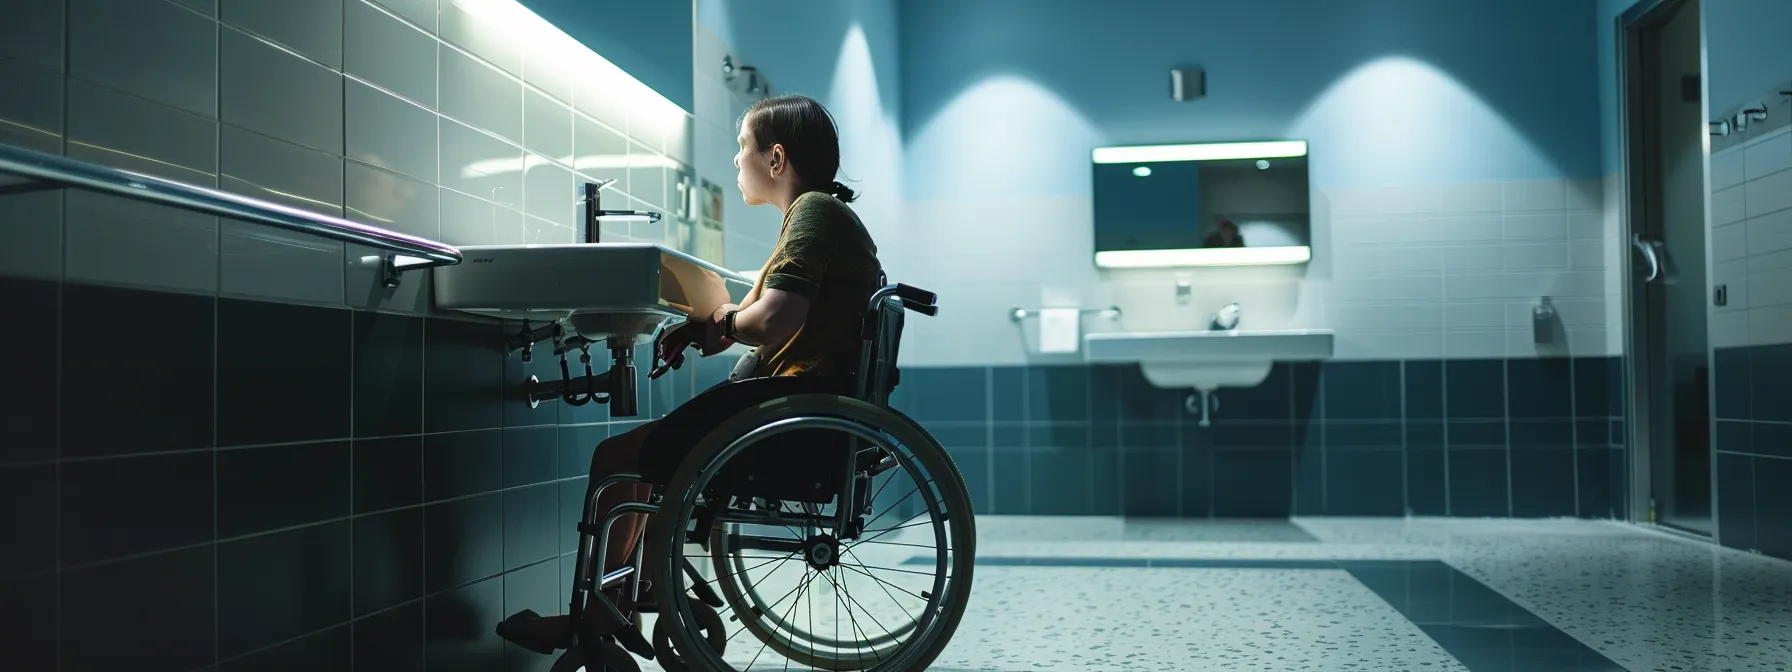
911, 293
912, 297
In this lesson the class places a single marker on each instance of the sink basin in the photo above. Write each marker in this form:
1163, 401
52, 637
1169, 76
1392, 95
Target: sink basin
1207, 360
603, 290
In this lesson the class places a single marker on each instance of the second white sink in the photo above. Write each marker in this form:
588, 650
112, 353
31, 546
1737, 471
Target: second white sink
1206, 360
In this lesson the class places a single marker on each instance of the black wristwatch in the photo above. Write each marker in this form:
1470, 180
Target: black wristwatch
728, 325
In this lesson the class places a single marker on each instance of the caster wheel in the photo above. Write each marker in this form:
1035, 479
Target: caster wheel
615, 659
708, 621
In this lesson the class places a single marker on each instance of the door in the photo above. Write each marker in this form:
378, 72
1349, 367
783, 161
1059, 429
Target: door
1668, 358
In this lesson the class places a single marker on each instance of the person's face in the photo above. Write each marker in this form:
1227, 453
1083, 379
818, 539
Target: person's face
757, 169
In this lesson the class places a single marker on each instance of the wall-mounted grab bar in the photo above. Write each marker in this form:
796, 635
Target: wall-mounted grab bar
48, 171
1018, 314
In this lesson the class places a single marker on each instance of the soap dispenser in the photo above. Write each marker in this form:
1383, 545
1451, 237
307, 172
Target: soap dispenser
1543, 322
1226, 319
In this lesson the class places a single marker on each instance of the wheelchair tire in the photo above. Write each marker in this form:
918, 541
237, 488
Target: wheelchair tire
615, 659
666, 653
947, 600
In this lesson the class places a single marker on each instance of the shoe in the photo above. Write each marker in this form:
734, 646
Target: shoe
532, 631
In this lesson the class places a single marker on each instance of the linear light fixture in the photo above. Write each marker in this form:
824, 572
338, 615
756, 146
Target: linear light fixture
1220, 151
1204, 256
533, 32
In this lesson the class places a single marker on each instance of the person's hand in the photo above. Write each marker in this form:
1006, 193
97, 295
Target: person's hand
714, 341
668, 351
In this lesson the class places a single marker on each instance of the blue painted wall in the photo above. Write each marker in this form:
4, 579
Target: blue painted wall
1465, 100
650, 40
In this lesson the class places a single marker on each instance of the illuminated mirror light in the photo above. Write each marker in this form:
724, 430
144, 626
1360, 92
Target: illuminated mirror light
1205, 152
1206, 256
1142, 171
528, 28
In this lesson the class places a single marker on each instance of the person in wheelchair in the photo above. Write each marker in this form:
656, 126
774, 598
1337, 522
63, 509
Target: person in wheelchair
803, 316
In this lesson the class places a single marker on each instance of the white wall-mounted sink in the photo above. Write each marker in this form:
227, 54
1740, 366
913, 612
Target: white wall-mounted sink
1207, 360
604, 290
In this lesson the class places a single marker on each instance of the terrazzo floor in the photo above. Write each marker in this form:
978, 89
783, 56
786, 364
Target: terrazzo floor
1358, 594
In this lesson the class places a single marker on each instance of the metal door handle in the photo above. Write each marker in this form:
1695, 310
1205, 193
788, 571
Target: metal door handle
1648, 250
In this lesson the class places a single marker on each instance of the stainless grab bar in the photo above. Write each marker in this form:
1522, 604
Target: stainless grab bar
403, 252
1018, 314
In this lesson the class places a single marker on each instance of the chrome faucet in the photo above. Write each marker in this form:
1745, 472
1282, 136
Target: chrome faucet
592, 198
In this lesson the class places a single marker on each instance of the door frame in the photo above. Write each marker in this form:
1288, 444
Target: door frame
1637, 197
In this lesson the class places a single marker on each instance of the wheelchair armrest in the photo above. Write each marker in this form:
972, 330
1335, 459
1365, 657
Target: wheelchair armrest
915, 294
929, 310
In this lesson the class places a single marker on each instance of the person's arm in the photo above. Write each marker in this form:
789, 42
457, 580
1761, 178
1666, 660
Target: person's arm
791, 283
770, 321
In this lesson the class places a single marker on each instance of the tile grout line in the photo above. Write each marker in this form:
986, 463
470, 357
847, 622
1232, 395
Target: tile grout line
217, 285
61, 350
1405, 447
1506, 410
353, 350
1443, 382
1574, 434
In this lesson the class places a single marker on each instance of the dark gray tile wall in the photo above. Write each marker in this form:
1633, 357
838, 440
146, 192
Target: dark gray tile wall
1521, 437
1754, 448
276, 486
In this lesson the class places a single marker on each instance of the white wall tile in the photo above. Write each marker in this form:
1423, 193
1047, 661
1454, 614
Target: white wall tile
155, 50
600, 151
1475, 344
1479, 285
1728, 168
260, 167
475, 94
481, 165
31, 113
543, 232
494, 43
1771, 287
1535, 195
1535, 256
551, 72
1530, 227
1575, 313
1469, 229
1769, 156
272, 92
1729, 205
312, 28
547, 126
1729, 241
548, 192
1770, 326
384, 50
263, 262
1585, 195
1730, 329
646, 175
33, 32
420, 12
388, 200
1770, 232
1586, 255
124, 131
1471, 198
112, 240
31, 238
1770, 193
1586, 226
389, 132
1481, 314
1469, 258
467, 220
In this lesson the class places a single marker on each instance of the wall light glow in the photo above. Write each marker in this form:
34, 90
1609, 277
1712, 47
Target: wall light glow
1221, 151
525, 26
1206, 256
1142, 171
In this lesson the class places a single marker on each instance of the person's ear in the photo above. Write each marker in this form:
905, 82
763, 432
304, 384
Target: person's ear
777, 159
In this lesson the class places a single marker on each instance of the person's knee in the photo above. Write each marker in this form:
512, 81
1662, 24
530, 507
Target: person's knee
618, 454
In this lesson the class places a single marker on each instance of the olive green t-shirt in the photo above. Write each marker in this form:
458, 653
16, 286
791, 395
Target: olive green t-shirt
825, 255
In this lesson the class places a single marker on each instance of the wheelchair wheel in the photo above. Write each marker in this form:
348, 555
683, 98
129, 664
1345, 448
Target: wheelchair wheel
708, 621
883, 593
615, 659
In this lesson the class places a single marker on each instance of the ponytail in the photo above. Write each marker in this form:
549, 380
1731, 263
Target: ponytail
842, 192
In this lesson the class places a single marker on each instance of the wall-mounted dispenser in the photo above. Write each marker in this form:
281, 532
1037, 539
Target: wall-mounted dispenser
1545, 322
1187, 84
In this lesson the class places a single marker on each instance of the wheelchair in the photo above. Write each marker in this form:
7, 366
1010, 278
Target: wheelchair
813, 549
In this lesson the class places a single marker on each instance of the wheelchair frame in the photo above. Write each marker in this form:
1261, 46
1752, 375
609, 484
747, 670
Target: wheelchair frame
875, 378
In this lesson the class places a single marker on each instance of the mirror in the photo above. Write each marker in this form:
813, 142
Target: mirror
1224, 204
